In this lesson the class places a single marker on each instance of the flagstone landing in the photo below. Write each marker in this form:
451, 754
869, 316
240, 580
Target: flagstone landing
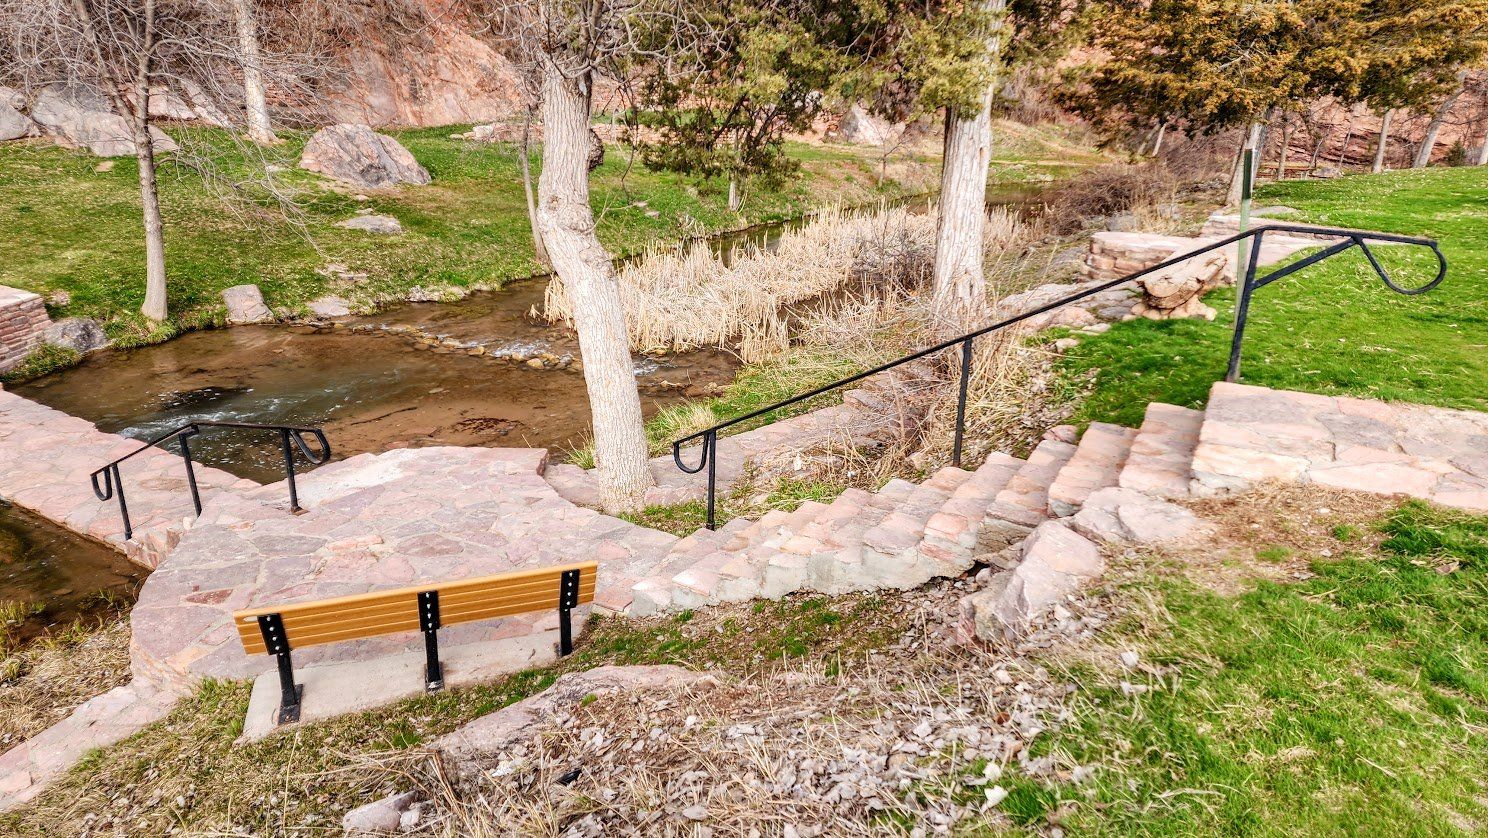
371, 522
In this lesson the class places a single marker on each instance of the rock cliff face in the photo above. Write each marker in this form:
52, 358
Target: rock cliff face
447, 78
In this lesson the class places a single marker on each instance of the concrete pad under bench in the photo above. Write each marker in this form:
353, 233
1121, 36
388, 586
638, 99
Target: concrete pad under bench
353, 686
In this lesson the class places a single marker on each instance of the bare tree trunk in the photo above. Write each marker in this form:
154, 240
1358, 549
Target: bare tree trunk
735, 196
959, 292
259, 128
1384, 141
1238, 174
1483, 151
538, 248
588, 274
1157, 141
144, 145
1433, 129
1286, 144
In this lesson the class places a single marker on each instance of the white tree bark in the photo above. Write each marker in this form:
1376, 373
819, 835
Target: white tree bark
1384, 141
567, 223
1433, 129
959, 279
1157, 142
259, 128
1483, 151
538, 248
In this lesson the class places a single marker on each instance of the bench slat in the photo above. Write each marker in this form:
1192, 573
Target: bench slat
311, 631
385, 612
540, 593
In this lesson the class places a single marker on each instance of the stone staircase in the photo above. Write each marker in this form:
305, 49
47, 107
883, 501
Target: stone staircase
905, 534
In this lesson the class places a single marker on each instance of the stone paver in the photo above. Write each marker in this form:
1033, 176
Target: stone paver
372, 521
48, 456
1162, 453
1096, 464
101, 721
1252, 434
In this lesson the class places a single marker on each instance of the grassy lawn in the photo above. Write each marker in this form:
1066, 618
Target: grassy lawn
1351, 703
1333, 328
75, 229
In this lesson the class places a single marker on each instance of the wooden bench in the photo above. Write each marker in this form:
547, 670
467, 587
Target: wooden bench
426, 608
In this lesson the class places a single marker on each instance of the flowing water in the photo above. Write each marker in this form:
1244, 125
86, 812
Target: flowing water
68, 575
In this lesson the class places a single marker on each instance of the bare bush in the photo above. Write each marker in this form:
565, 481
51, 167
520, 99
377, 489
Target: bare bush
1106, 191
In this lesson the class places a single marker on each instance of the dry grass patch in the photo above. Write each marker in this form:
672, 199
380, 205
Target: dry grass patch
43, 681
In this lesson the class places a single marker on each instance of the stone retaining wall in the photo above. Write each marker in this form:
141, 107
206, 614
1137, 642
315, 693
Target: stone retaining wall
1114, 255
23, 321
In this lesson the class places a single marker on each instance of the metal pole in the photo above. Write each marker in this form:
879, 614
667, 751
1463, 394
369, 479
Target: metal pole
190, 474
429, 622
1247, 182
294, 496
961, 401
710, 444
1242, 310
123, 507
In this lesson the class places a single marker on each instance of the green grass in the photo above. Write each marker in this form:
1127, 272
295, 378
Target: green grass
75, 229
1353, 703
1332, 328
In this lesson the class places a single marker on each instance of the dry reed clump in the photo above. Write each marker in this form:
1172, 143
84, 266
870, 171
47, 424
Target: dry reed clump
682, 299
45, 680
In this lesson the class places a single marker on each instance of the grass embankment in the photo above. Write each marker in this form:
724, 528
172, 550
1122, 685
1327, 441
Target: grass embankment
1351, 703
75, 229
1332, 328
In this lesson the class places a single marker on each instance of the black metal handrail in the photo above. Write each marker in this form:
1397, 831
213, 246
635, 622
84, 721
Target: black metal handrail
1349, 239
290, 438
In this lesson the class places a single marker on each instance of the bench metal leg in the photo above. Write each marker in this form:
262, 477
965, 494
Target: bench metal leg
429, 624
568, 599
271, 626
290, 693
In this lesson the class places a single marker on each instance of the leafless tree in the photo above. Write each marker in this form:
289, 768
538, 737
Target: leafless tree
1438, 121
566, 47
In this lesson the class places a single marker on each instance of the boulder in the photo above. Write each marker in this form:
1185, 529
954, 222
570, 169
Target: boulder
1127, 516
380, 817
357, 155
383, 224
13, 124
79, 334
859, 127
1178, 291
329, 307
245, 304
1056, 562
80, 118
12, 97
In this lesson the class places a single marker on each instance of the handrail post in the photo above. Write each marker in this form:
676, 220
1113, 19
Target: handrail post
294, 495
961, 401
710, 445
1242, 307
190, 471
123, 507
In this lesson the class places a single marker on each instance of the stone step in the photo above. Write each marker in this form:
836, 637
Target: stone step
653, 593
811, 537
1023, 503
889, 547
1161, 459
837, 567
742, 577
951, 533
697, 585
1096, 465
